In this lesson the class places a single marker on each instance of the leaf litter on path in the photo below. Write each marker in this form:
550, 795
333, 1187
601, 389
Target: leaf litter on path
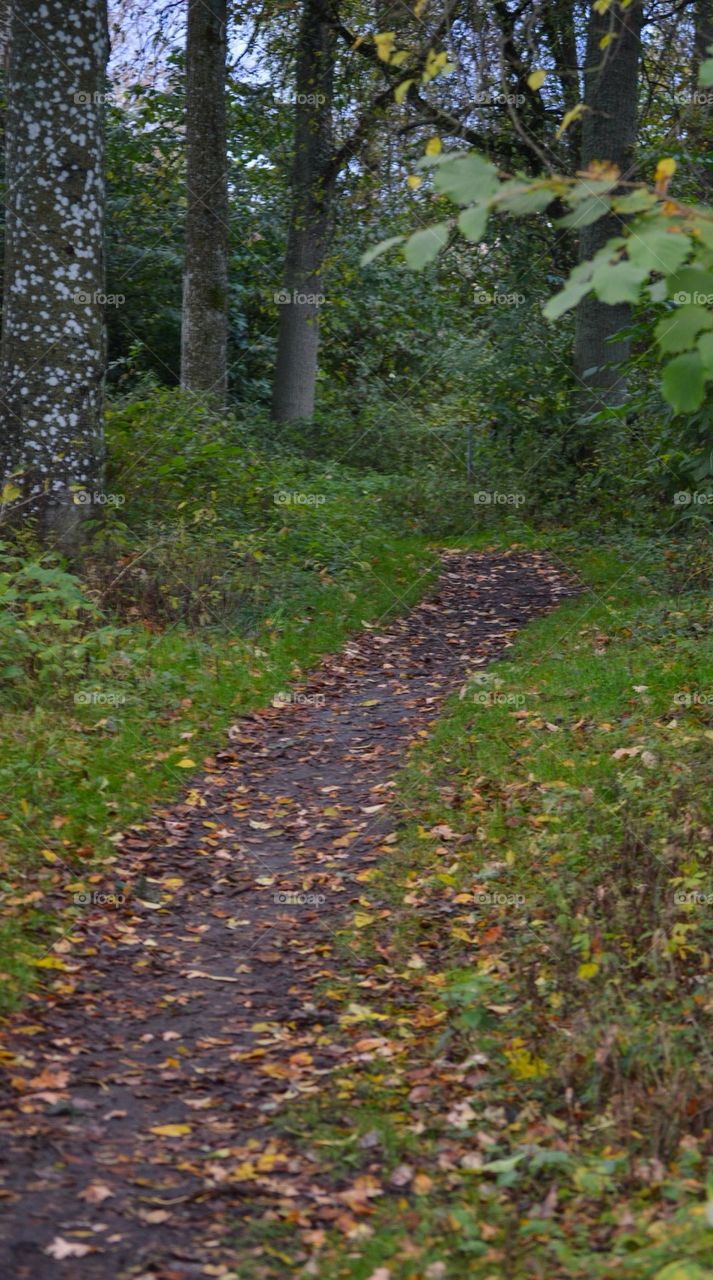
142, 1088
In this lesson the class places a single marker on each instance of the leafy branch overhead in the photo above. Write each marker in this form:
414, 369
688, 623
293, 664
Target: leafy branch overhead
663, 256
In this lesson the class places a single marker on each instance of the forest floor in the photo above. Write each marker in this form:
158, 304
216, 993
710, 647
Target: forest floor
147, 1093
329, 1018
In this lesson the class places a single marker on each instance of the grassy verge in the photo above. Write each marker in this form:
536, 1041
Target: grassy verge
528, 1090
103, 720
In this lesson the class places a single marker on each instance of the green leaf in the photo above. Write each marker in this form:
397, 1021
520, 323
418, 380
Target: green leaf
473, 221
376, 250
694, 284
634, 202
678, 330
578, 283
620, 283
657, 249
682, 1269
705, 75
565, 299
422, 247
516, 198
587, 211
683, 382
467, 179
705, 346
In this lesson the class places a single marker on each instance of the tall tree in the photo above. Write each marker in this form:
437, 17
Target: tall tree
204, 334
611, 77
312, 189
53, 324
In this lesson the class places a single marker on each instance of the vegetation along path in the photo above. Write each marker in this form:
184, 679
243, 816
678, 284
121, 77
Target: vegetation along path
196, 1007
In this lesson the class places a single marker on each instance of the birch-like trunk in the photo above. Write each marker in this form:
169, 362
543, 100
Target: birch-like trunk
53, 346
204, 331
313, 176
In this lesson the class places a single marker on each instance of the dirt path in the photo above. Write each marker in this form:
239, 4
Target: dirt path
139, 1108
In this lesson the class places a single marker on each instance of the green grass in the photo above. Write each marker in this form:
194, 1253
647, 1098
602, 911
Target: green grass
569, 1009
76, 772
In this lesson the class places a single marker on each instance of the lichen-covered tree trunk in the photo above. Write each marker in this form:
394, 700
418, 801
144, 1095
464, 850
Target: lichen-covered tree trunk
313, 177
53, 352
608, 134
204, 331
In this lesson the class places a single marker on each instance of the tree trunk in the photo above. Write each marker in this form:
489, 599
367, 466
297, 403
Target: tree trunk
700, 126
313, 178
204, 332
53, 323
608, 134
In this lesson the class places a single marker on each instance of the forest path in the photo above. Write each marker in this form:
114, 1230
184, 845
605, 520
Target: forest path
138, 1117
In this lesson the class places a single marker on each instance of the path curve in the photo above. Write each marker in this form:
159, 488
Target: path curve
195, 1009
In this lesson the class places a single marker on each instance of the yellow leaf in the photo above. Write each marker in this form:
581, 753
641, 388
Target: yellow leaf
49, 962
606, 40
361, 920
665, 169
9, 493
435, 62
587, 970
536, 79
385, 42
413, 182
570, 116
401, 90
434, 147
49, 855
524, 1065
185, 764
601, 6
170, 1130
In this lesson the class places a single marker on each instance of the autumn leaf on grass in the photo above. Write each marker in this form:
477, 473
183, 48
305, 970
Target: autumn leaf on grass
170, 1130
523, 1064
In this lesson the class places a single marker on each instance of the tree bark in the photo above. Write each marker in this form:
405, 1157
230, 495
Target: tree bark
608, 134
700, 126
312, 184
204, 331
53, 346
